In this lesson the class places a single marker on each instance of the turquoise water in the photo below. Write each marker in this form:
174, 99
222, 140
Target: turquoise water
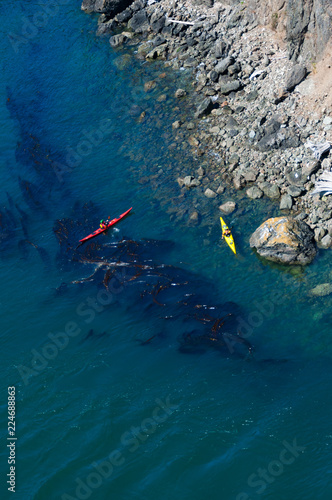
104, 416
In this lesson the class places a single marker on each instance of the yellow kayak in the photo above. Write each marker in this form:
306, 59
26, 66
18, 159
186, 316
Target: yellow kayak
229, 239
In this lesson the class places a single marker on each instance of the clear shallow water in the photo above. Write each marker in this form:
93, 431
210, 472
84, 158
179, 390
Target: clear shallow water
226, 417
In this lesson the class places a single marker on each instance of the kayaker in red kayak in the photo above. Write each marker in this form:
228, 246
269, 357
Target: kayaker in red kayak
104, 225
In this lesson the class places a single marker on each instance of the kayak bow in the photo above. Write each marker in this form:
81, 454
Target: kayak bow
229, 239
102, 230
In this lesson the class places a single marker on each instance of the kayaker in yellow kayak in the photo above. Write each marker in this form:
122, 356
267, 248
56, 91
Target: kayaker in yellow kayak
227, 232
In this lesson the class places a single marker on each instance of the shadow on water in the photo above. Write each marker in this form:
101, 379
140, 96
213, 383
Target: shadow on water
130, 273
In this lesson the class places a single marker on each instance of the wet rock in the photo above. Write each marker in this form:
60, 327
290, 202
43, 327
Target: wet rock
190, 181
319, 233
176, 124
209, 193
117, 40
239, 182
157, 52
326, 242
296, 75
321, 290
204, 108
107, 27
228, 207
200, 171
187, 180
158, 40
124, 16
254, 193
157, 22
220, 190
285, 240
286, 202
139, 23
180, 93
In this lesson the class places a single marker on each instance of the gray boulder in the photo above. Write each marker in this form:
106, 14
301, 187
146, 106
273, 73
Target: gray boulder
204, 108
296, 75
286, 202
117, 40
254, 193
209, 193
139, 22
223, 65
228, 87
270, 190
326, 242
285, 240
157, 22
220, 48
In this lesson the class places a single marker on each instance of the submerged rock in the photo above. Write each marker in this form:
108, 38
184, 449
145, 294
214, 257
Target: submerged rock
284, 240
180, 93
209, 193
321, 290
228, 207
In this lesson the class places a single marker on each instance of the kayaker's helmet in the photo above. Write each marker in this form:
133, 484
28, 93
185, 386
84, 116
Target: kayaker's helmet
102, 221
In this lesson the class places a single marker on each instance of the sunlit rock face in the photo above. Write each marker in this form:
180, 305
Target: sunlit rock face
285, 240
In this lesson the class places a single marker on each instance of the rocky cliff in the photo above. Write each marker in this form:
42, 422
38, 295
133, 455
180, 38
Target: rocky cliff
306, 25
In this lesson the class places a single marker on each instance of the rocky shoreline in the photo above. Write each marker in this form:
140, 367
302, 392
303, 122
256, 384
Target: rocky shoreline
252, 108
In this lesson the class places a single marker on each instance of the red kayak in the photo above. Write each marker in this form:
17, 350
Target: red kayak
110, 223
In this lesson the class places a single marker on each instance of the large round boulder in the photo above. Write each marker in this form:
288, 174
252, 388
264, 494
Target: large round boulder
285, 240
